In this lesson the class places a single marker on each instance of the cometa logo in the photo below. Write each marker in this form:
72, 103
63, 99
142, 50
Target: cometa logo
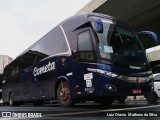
134, 67
46, 68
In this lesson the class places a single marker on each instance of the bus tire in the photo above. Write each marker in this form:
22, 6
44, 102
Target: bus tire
64, 95
151, 97
11, 101
107, 101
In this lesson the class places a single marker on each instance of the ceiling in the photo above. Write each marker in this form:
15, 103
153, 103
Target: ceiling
142, 14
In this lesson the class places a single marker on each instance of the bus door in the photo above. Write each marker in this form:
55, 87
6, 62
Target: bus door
84, 57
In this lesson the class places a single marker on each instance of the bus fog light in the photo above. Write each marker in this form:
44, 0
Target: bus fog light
111, 87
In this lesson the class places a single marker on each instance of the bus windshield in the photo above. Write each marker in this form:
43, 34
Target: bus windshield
119, 45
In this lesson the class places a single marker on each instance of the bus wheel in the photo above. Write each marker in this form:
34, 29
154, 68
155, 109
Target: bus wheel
107, 101
64, 96
121, 99
11, 101
151, 97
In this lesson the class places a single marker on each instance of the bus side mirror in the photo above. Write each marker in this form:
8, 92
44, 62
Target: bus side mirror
151, 34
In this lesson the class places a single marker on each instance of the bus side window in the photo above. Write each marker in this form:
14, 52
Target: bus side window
85, 47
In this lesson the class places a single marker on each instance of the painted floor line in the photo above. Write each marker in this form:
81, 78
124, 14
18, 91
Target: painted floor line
99, 111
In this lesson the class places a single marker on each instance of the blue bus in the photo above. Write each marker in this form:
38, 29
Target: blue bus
86, 57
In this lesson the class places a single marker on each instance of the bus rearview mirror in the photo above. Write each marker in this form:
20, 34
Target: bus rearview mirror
151, 34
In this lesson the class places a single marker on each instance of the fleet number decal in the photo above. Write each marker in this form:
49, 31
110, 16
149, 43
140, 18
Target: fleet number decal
46, 68
88, 78
88, 83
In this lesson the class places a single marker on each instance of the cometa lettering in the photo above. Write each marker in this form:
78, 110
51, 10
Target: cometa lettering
41, 70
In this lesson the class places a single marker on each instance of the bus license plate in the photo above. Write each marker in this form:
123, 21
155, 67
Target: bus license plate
137, 91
